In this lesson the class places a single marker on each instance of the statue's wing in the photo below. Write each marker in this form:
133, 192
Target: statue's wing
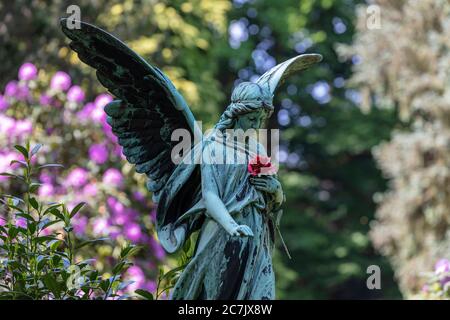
275, 76
149, 106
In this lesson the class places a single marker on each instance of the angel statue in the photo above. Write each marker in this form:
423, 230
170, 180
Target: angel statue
234, 210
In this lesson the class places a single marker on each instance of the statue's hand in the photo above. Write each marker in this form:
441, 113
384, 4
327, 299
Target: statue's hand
266, 183
269, 184
241, 231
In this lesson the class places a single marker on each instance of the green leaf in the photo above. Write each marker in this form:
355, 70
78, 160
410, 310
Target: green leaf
89, 242
54, 244
13, 232
22, 150
22, 163
129, 250
11, 175
27, 216
57, 214
43, 239
35, 149
51, 283
118, 267
50, 165
34, 203
34, 187
145, 294
76, 209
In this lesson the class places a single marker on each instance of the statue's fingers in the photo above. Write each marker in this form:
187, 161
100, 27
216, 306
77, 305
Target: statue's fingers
249, 231
261, 188
258, 182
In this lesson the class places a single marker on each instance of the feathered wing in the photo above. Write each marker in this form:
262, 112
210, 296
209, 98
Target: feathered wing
149, 106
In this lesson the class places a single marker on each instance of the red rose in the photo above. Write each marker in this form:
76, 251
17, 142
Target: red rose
261, 165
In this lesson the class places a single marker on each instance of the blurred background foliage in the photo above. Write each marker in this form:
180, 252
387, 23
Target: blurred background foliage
206, 47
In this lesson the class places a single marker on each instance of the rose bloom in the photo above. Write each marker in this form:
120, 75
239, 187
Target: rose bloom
78, 177
98, 153
261, 165
60, 81
113, 177
27, 71
75, 94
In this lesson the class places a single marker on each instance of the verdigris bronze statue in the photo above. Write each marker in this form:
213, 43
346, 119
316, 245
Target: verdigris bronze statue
235, 209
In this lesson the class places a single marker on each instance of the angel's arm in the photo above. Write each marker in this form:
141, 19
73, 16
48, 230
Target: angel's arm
215, 206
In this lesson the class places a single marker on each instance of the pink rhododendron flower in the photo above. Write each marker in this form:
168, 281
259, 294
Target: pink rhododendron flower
45, 178
3, 103
5, 161
90, 190
153, 215
60, 81
46, 190
102, 100
84, 114
139, 196
79, 224
28, 71
133, 231
113, 177
157, 249
100, 226
45, 100
77, 178
442, 266
7, 126
135, 274
98, 153
150, 286
23, 128
11, 89
116, 206
21, 222
75, 94
23, 93
2, 220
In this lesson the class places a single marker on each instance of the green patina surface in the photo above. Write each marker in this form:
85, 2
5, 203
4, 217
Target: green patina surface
236, 214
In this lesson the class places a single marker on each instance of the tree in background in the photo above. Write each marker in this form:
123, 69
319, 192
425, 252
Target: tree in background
405, 67
177, 36
328, 171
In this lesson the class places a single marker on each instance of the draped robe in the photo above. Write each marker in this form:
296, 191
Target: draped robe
223, 266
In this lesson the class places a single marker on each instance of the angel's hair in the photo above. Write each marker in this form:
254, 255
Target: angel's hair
247, 97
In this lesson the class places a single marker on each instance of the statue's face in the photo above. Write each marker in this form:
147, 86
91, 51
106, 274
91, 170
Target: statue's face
252, 120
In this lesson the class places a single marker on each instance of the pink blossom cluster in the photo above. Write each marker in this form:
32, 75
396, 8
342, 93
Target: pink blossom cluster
74, 132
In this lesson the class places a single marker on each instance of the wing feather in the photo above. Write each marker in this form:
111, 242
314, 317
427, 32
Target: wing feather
148, 107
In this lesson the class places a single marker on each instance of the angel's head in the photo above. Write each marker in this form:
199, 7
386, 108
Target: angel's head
251, 104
